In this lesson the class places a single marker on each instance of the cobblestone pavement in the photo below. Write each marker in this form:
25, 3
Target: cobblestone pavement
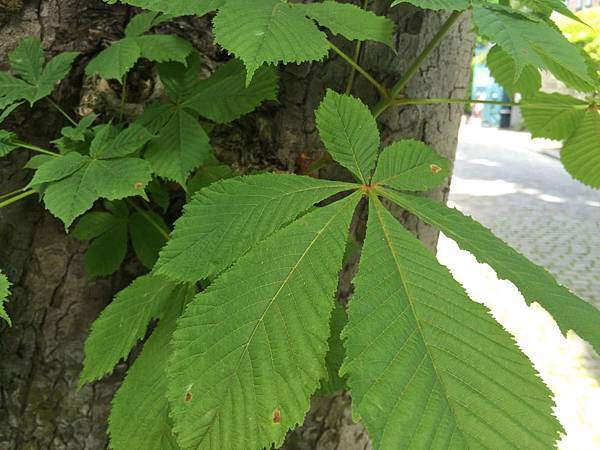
528, 200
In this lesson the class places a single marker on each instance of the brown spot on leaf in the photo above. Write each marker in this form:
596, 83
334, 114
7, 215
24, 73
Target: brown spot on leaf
276, 416
435, 168
138, 185
188, 396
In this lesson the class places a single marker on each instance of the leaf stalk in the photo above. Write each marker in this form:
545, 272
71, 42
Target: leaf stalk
389, 101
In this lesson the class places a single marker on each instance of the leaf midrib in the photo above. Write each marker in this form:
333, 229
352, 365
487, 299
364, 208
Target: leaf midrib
270, 304
378, 206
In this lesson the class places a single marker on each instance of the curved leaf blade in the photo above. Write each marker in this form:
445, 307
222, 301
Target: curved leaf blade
503, 69
4, 293
224, 96
223, 221
268, 31
553, 116
536, 285
428, 367
176, 7
139, 418
349, 133
250, 351
351, 21
411, 166
123, 322
182, 145
581, 151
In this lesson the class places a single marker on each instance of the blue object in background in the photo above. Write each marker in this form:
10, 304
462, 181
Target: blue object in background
486, 88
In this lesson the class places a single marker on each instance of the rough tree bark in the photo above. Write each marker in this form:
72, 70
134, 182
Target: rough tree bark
53, 303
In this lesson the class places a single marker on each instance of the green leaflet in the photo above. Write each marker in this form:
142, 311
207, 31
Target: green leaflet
207, 175
411, 166
110, 232
4, 293
224, 96
428, 367
144, 22
120, 57
349, 133
108, 144
581, 152
123, 322
146, 239
175, 7
140, 411
562, 117
530, 41
249, 352
226, 219
28, 59
180, 79
351, 21
115, 61
546, 7
268, 31
557, 116
451, 5
107, 251
182, 145
6, 142
162, 48
536, 285
503, 69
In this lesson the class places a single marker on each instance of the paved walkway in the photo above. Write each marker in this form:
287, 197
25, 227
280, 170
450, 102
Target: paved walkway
528, 199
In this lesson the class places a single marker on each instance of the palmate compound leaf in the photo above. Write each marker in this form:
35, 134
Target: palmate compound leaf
249, 352
76, 181
175, 7
38, 80
351, 21
536, 285
111, 179
411, 166
531, 41
268, 31
225, 220
428, 367
349, 132
139, 418
450, 5
123, 322
4, 293
581, 151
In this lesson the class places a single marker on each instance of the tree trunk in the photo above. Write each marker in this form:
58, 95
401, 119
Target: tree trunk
53, 303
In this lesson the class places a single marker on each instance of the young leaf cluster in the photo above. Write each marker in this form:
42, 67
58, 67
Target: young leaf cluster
110, 231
